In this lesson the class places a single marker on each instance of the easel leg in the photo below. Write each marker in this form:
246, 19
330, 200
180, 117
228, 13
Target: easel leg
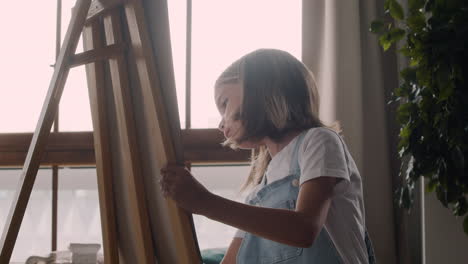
92, 39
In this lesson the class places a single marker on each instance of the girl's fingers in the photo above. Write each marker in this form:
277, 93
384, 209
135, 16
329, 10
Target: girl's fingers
166, 175
165, 190
167, 185
162, 184
172, 178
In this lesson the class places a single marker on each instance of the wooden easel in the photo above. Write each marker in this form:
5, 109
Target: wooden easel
117, 43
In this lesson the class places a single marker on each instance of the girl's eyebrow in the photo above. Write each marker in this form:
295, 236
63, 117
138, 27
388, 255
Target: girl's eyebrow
222, 107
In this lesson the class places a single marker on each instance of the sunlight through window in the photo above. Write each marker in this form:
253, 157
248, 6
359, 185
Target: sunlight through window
27, 50
223, 31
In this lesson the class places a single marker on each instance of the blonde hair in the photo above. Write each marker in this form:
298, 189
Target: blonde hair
279, 96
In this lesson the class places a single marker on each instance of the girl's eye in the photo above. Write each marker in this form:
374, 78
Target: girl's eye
224, 104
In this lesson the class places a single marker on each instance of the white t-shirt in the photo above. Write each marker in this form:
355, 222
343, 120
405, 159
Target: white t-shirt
324, 153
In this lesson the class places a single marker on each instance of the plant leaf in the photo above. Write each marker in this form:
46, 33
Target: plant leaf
396, 11
409, 74
387, 5
461, 207
385, 41
446, 91
377, 26
396, 34
415, 4
417, 21
404, 111
414, 61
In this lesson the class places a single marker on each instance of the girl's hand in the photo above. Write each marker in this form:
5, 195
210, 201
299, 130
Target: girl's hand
179, 184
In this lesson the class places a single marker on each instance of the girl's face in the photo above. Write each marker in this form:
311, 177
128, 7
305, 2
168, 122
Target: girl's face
228, 98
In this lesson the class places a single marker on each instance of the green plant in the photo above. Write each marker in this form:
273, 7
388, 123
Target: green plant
432, 97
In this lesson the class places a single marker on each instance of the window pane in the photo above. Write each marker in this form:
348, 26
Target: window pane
177, 22
27, 50
34, 237
225, 30
67, 8
75, 111
226, 182
79, 219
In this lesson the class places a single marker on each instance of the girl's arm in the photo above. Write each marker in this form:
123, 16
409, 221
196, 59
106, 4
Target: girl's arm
231, 253
296, 228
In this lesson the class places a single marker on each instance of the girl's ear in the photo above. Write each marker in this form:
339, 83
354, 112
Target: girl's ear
237, 115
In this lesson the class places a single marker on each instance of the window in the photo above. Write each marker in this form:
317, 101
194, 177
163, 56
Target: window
219, 33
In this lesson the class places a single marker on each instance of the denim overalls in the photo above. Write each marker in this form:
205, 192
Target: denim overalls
282, 194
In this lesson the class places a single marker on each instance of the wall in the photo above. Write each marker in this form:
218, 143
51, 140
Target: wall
445, 240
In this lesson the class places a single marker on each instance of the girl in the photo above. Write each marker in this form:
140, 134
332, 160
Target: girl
306, 204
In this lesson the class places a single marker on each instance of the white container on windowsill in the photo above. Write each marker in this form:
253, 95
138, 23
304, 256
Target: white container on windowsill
84, 253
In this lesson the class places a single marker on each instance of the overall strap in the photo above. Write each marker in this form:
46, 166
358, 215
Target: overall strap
294, 166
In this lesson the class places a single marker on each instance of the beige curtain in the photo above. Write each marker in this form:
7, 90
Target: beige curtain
354, 77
